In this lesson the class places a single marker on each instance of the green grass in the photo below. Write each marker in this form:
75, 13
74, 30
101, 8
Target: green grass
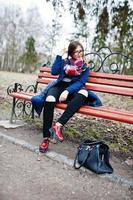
119, 139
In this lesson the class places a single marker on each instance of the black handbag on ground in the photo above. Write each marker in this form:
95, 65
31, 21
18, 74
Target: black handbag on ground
93, 155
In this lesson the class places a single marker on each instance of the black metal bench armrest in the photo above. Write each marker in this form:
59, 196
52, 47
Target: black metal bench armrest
17, 87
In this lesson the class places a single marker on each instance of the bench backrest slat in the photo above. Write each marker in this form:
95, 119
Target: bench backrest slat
95, 80
100, 82
100, 88
112, 76
99, 75
111, 82
110, 89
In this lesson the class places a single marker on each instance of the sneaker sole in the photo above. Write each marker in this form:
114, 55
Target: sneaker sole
43, 151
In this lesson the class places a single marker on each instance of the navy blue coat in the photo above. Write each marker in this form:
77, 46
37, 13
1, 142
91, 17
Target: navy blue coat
77, 83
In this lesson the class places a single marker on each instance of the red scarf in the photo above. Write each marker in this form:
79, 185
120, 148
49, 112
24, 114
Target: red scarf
74, 67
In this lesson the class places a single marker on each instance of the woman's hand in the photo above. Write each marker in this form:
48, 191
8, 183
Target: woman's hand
63, 96
63, 51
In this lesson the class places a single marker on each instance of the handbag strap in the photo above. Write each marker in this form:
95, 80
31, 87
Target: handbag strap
91, 143
76, 158
106, 157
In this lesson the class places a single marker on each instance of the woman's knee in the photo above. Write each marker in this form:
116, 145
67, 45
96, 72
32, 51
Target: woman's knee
83, 92
50, 98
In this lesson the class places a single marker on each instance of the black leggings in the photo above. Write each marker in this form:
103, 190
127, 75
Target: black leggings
48, 112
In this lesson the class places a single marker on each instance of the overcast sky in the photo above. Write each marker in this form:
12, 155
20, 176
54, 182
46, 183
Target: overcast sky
45, 8
46, 11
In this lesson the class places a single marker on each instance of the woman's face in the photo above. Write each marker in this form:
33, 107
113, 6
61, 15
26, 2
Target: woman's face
78, 53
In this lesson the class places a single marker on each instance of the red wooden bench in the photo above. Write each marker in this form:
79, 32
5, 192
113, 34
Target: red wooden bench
99, 82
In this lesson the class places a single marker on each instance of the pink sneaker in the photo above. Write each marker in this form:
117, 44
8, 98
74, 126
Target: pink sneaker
43, 147
56, 132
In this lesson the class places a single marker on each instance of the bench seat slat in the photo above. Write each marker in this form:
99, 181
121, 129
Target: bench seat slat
114, 110
102, 112
22, 96
28, 96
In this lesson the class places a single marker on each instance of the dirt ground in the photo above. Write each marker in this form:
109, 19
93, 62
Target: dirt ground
24, 176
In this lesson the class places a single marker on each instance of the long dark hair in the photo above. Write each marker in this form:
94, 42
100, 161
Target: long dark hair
72, 46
